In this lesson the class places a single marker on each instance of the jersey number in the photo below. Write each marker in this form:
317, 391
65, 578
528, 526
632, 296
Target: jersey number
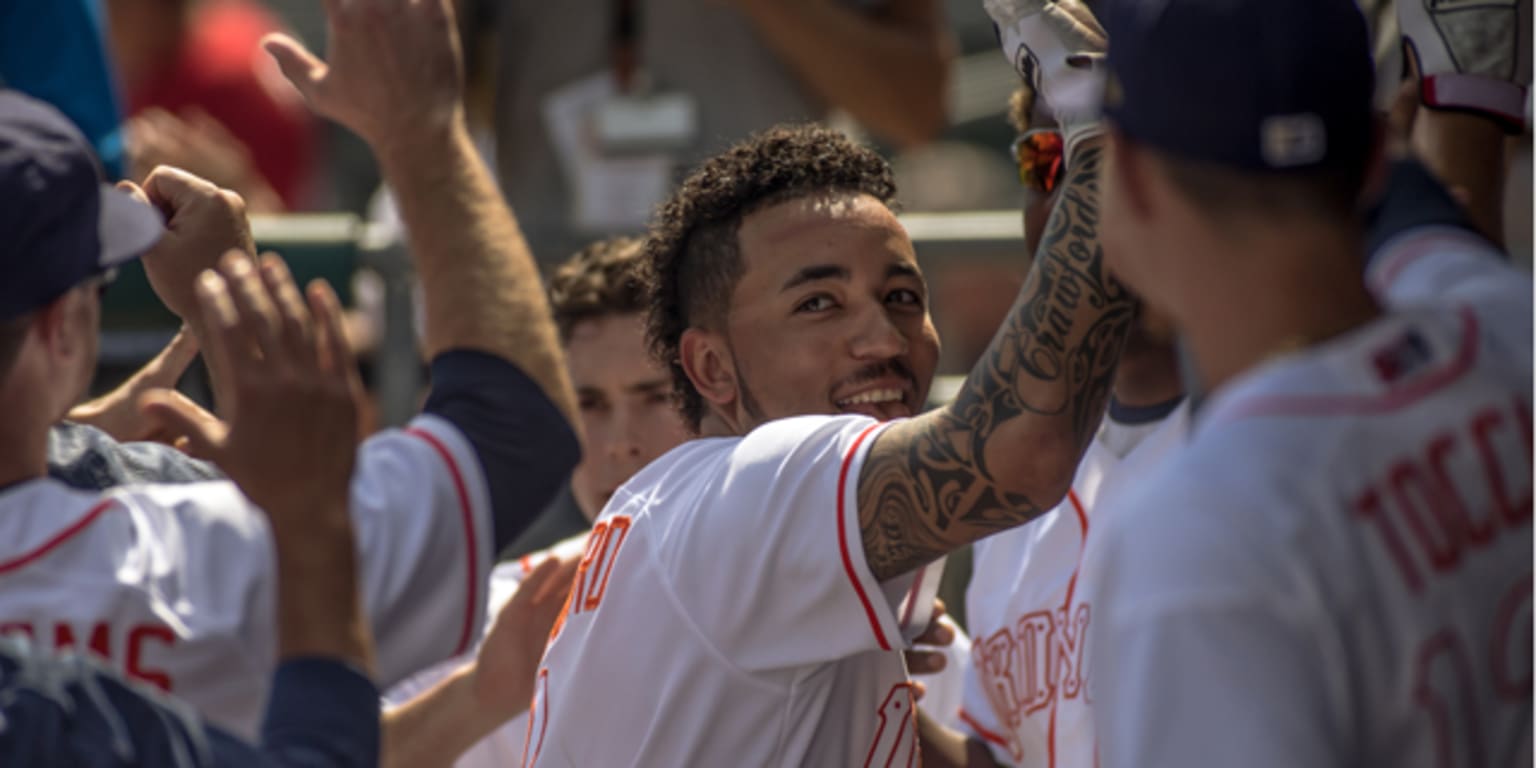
1447, 680
895, 742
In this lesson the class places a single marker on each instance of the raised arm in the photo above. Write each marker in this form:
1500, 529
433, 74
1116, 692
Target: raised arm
888, 68
1005, 450
498, 375
394, 76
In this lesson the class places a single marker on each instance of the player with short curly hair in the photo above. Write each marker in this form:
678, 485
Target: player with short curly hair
604, 278
758, 585
693, 252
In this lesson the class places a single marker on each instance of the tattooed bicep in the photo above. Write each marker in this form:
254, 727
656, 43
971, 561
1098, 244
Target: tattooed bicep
921, 496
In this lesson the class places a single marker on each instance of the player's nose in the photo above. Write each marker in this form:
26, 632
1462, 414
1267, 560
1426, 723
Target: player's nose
877, 337
625, 438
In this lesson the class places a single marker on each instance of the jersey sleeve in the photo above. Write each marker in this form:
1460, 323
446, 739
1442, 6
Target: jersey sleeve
1208, 648
421, 511
769, 563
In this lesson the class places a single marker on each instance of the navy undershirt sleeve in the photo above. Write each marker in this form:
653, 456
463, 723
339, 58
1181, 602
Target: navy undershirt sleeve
1413, 199
71, 710
526, 447
321, 713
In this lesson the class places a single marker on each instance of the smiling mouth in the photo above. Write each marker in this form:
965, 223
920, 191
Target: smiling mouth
873, 397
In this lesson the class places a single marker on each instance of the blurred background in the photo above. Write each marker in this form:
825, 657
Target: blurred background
588, 111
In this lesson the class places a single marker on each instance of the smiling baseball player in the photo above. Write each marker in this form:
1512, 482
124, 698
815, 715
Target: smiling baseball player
751, 590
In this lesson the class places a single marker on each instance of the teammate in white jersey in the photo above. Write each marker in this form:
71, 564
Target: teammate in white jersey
1336, 569
1024, 701
174, 584
752, 588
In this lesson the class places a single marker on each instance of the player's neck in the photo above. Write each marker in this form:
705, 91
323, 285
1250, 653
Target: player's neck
23, 429
1289, 292
1147, 375
23, 454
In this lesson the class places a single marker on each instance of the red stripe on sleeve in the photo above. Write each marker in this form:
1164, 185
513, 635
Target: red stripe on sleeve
59, 538
842, 538
467, 517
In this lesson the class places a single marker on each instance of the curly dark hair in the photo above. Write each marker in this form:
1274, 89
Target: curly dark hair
603, 279
692, 254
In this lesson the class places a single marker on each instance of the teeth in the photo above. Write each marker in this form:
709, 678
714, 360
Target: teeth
874, 396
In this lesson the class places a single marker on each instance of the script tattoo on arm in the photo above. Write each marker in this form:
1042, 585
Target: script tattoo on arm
1006, 449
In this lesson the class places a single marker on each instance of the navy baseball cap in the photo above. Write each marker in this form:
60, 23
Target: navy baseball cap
60, 223
1253, 85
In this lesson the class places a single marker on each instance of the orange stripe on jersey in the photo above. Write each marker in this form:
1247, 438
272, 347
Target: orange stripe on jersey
984, 732
467, 517
62, 536
842, 538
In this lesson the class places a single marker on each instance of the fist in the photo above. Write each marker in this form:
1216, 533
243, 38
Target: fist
202, 222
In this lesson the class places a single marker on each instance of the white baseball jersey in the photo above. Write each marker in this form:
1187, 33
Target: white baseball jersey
724, 614
174, 585
504, 746
1336, 571
1026, 693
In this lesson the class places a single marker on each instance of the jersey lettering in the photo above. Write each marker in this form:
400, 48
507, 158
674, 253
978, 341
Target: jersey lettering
1041, 659
136, 638
597, 564
1427, 492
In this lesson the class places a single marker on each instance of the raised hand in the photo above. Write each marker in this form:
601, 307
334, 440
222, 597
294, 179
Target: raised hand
291, 397
394, 74
1472, 56
508, 660
1055, 45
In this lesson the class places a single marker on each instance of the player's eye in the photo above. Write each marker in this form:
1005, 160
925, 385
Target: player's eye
821, 302
904, 296
591, 403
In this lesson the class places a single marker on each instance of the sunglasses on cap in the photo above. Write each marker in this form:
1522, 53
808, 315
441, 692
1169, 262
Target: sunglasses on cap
1039, 155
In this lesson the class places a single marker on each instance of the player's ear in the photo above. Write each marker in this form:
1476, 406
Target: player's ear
58, 324
707, 361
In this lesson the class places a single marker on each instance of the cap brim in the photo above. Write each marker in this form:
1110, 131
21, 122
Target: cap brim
127, 228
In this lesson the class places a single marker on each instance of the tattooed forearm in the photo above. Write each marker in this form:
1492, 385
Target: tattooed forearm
1006, 449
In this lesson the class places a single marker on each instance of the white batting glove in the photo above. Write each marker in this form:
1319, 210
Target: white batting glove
1058, 47
1474, 55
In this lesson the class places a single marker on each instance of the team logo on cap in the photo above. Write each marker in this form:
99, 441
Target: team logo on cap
1287, 141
